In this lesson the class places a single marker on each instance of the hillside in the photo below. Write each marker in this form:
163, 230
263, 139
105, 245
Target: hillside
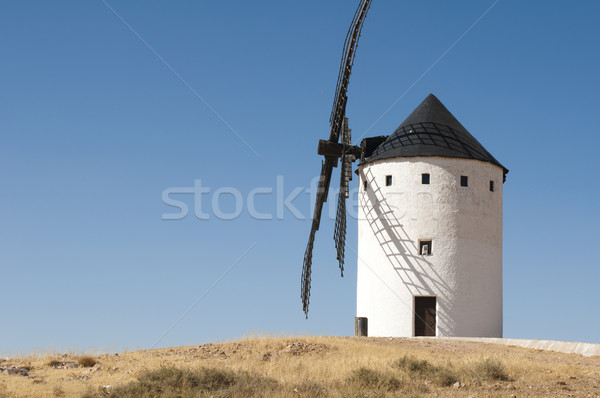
307, 367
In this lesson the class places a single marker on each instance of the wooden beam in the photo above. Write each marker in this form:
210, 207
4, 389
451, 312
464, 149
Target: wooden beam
334, 150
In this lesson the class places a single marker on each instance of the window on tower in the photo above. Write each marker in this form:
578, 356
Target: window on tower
491, 186
365, 185
464, 181
388, 181
425, 247
425, 178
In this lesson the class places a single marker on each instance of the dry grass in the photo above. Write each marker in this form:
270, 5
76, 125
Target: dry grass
86, 361
441, 376
490, 370
310, 367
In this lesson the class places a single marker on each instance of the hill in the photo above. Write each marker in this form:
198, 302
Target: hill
307, 367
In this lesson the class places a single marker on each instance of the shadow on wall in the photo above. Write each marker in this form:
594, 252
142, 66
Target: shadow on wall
414, 270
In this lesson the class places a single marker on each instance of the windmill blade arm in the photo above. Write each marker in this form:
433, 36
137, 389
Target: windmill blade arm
322, 192
349, 52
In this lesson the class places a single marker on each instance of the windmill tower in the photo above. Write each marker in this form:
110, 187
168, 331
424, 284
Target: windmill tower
430, 220
430, 230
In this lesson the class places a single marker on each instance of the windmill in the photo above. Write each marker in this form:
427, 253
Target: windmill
338, 146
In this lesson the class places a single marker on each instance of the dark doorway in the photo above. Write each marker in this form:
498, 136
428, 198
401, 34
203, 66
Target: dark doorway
425, 316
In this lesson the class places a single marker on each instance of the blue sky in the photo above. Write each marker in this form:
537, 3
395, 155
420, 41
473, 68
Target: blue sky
94, 127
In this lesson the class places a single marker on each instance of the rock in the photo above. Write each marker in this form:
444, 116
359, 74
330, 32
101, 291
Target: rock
13, 370
458, 385
71, 365
267, 356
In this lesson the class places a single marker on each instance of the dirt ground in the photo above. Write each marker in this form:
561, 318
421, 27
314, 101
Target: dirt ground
326, 361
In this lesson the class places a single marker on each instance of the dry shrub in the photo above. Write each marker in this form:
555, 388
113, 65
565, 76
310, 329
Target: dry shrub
441, 376
491, 370
58, 392
54, 363
370, 379
168, 382
91, 393
309, 389
87, 361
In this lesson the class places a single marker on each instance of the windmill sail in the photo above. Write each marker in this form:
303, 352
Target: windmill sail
338, 123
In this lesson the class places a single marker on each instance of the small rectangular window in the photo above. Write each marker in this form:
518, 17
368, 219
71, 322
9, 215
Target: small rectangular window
365, 185
491, 186
388, 181
464, 181
425, 178
425, 247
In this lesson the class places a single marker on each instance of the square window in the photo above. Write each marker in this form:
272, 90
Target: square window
425, 178
464, 181
425, 247
491, 186
388, 181
365, 185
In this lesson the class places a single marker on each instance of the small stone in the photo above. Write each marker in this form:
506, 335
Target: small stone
267, 356
457, 385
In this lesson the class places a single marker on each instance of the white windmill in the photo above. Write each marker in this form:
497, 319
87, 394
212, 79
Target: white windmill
430, 221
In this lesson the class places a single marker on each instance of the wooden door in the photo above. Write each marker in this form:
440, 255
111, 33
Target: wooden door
425, 316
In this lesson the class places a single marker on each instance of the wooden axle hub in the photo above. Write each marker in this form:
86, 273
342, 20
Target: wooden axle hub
334, 150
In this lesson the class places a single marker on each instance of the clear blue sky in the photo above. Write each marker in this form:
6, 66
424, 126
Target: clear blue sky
94, 127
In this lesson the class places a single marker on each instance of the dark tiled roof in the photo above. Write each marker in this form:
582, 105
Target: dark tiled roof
431, 130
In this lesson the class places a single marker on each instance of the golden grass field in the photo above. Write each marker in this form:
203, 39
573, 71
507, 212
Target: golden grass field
310, 367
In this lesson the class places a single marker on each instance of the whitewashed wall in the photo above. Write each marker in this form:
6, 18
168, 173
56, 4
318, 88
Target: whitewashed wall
464, 271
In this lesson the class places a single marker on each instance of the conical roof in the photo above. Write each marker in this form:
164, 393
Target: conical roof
431, 130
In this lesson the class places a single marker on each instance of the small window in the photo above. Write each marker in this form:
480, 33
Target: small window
365, 185
425, 178
425, 247
491, 186
388, 181
464, 181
